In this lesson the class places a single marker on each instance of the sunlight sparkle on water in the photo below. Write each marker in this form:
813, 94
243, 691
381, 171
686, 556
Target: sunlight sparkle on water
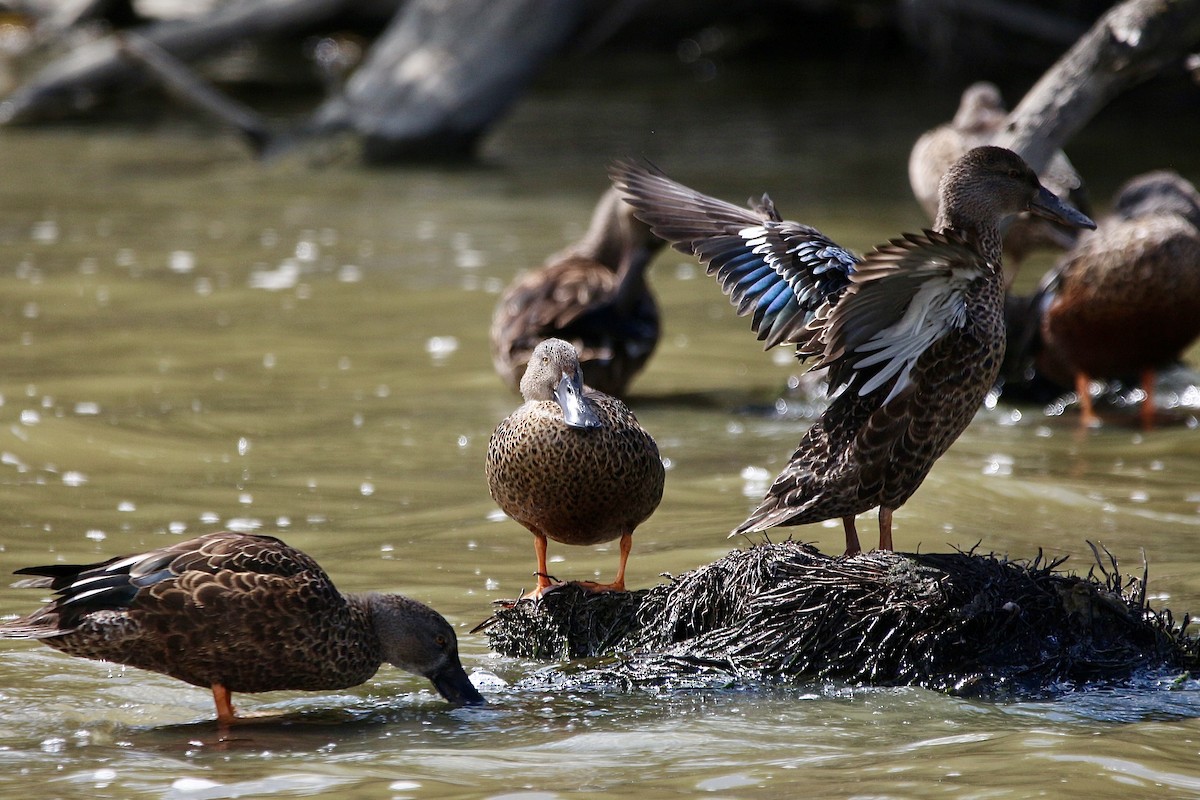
193, 785
181, 262
285, 276
755, 481
999, 464
44, 231
441, 347
307, 251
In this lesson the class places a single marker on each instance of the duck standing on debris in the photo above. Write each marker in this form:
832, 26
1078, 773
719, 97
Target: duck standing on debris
237, 612
912, 335
1126, 300
572, 465
594, 295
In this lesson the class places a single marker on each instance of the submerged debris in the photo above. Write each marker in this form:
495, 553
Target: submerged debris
957, 622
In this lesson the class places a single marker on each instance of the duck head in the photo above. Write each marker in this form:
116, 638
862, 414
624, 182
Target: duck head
417, 639
989, 184
554, 374
1156, 193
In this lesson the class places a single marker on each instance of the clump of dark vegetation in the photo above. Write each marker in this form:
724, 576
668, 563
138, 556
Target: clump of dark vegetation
964, 623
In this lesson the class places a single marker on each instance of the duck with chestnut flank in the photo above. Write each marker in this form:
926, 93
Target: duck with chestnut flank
1126, 300
912, 335
572, 464
236, 612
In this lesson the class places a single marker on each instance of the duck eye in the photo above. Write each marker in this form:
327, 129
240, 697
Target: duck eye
440, 639
1014, 173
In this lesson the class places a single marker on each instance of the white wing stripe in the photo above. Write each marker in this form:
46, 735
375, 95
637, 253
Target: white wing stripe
934, 309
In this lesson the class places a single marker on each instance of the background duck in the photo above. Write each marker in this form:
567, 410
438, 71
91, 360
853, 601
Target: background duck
912, 335
573, 465
1126, 300
236, 612
594, 295
980, 117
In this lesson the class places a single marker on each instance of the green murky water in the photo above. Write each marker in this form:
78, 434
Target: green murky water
192, 342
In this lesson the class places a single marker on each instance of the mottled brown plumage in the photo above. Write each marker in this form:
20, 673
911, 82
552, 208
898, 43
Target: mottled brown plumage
980, 118
912, 335
238, 612
571, 464
1126, 300
594, 295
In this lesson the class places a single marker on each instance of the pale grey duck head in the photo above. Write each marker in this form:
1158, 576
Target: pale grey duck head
417, 639
980, 109
988, 185
554, 374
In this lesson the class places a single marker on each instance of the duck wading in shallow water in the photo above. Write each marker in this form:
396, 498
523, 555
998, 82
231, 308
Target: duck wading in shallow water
572, 465
594, 295
912, 334
235, 612
1126, 300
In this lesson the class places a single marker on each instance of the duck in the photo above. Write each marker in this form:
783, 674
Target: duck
593, 294
911, 336
238, 612
980, 117
1125, 301
572, 464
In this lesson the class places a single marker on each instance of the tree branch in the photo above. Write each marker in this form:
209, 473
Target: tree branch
1132, 42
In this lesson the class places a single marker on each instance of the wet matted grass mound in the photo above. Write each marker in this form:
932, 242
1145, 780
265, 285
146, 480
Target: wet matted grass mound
958, 622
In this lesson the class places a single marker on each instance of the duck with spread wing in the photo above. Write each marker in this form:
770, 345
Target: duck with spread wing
912, 334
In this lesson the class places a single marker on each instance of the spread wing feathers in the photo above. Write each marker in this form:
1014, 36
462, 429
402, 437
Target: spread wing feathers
777, 272
904, 296
215, 561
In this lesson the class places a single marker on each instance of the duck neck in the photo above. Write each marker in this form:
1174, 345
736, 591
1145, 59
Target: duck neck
606, 235
362, 607
985, 237
631, 279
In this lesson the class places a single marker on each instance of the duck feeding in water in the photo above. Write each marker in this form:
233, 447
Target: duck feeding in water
237, 612
573, 464
912, 335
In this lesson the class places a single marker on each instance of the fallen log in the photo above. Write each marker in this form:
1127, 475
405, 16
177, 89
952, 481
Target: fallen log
186, 86
956, 622
79, 79
1130, 43
441, 73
